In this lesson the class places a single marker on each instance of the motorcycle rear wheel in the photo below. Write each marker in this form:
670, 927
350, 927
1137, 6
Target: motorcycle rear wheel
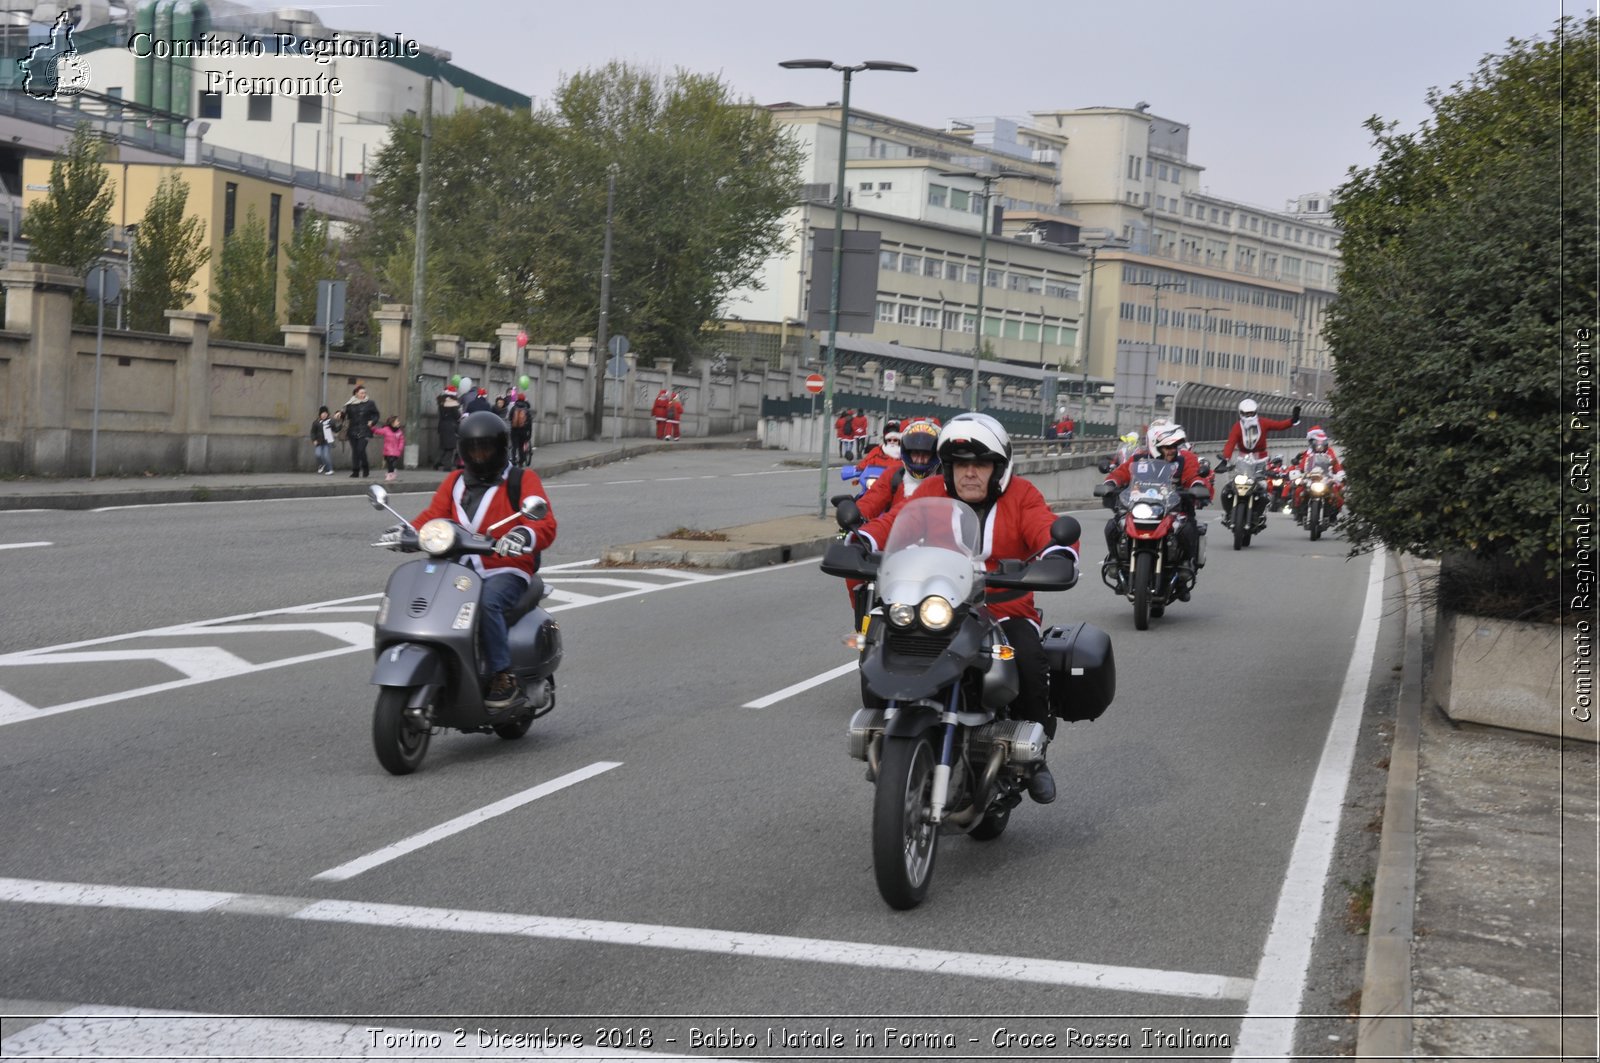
904, 838
400, 747
1314, 518
1144, 585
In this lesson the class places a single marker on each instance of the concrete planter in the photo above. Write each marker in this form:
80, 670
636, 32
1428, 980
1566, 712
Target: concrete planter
1508, 673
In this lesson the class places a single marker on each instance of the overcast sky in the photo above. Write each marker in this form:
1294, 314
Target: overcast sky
1274, 91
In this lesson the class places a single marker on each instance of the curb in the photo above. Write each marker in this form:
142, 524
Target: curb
1385, 1030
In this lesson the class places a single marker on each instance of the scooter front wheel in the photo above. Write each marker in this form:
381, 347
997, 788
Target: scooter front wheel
400, 746
905, 839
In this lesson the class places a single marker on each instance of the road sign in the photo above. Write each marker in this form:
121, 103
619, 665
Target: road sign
104, 284
888, 380
330, 311
814, 383
618, 345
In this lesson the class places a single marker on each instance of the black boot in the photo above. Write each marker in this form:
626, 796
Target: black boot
1042, 785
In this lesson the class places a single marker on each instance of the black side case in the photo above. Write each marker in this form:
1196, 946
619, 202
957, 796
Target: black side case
1083, 672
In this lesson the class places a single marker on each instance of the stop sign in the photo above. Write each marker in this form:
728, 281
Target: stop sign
814, 383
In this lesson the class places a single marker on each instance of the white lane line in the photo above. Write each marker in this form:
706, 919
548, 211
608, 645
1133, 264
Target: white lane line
803, 685
96, 1031
1268, 1028
21, 546
732, 943
569, 564
613, 483
463, 822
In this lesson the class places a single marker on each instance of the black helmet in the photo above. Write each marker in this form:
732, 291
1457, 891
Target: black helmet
484, 443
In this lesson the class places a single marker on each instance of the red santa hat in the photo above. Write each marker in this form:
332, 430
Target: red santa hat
449, 389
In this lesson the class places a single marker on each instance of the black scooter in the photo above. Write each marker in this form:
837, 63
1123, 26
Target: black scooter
429, 668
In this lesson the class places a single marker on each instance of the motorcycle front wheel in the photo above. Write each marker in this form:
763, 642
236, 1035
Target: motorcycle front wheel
1241, 526
1314, 518
904, 837
400, 746
1144, 585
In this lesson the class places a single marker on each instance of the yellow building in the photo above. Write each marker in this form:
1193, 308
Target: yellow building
222, 199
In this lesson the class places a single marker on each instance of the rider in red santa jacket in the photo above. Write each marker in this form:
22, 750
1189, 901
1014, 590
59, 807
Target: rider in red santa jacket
1249, 434
1317, 443
1168, 442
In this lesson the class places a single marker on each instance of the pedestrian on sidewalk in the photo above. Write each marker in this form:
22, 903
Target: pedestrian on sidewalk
361, 417
394, 448
675, 417
858, 434
659, 410
842, 428
449, 422
322, 433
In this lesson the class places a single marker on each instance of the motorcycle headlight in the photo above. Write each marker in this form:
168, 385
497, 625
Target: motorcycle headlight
1318, 487
1241, 482
936, 613
901, 615
1144, 511
437, 536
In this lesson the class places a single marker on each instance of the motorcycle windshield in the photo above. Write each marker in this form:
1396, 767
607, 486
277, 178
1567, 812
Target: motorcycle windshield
933, 548
1152, 480
1321, 463
1250, 467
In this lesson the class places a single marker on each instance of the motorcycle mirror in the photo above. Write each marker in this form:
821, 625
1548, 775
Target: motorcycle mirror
1205, 467
378, 496
534, 507
1104, 465
1065, 530
848, 514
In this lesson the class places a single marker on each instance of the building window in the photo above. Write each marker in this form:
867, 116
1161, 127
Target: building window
885, 311
930, 317
1126, 311
953, 271
884, 186
230, 206
972, 274
888, 260
211, 105
114, 110
996, 278
952, 320
908, 314
937, 195
960, 199
865, 186
260, 109
310, 109
911, 263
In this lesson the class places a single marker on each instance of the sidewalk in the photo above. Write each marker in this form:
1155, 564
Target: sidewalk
1483, 934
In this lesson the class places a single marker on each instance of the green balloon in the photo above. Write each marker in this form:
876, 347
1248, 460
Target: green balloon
524, 381
455, 381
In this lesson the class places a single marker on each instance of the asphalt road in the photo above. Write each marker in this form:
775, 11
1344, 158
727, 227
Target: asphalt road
692, 863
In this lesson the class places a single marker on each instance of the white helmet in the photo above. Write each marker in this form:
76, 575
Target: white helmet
1168, 435
1247, 408
975, 437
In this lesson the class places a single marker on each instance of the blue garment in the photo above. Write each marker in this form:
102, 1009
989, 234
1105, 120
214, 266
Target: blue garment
500, 593
324, 456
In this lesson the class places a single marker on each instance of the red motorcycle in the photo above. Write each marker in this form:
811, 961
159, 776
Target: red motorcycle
1145, 564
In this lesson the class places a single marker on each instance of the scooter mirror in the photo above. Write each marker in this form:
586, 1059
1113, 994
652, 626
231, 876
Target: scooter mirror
378, 496
849, 515
534, 507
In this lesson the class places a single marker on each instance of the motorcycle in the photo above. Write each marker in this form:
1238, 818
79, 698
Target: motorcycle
863, 476
1146, 565
425, 640
1280, 489
1244, 497
1316, 490
940, 746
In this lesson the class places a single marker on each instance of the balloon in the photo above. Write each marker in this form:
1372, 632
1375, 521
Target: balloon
524, 381
466, 383
455, 381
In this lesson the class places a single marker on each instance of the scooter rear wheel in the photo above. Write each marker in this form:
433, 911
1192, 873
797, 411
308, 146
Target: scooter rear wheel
400, 746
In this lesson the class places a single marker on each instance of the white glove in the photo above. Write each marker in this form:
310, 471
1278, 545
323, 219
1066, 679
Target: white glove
1338, 477
515, 543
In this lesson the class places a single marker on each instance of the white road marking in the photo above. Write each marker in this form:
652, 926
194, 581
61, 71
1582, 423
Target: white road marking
353, 638
1268, 1028
613, 483
803, 685
463, 822
21, 546
94, 1031
639, 935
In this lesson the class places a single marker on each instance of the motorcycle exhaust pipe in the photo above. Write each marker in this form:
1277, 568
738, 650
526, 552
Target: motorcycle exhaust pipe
968, 817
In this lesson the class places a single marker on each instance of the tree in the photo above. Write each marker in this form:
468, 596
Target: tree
517, 209
244, 293
1465, 248
167, 253
313, 256
69, 226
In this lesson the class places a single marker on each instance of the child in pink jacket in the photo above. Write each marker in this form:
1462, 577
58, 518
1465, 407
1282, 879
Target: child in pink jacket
394, 447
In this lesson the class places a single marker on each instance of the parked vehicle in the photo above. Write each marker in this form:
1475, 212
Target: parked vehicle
425, 639
941, 748
1146, 565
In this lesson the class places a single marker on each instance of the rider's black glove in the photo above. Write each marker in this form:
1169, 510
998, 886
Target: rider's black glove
1294, 416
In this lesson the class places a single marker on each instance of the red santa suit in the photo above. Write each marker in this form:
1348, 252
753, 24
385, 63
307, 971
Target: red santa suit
658, 410
1252, 438
496, 505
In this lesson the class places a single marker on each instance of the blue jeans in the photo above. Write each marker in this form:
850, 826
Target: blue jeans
500, 592
324, 456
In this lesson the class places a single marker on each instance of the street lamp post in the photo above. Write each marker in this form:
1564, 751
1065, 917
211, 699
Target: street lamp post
838, 236
1155, 316
988, 180
1205, 328
1088, 317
